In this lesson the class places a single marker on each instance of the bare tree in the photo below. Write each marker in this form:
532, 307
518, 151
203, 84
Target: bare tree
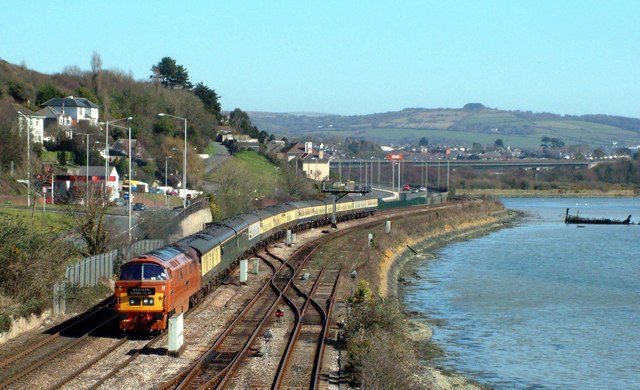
89, 220
96, 72
235, 190
296, 184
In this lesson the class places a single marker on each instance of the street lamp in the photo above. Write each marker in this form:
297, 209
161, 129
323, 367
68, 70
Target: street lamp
166, 187
276, 186
184, 167
86, 175
28, 158
106, 146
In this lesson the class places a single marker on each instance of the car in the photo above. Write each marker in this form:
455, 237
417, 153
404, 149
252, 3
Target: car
139, 207
423, 189
118, 202
406, 187
414, 190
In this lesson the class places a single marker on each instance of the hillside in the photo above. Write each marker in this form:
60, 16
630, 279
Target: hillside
118, 95
472, 123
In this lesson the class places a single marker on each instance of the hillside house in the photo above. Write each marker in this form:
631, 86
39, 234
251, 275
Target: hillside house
313, 163
79, 109
30, 120
54, 120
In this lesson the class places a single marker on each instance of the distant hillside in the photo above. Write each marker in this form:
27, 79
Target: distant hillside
464, 126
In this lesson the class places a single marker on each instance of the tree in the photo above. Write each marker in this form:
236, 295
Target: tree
90, 222
235, 189
295, 183
499, 144
473, 107
545, 142
46, 93
26, 247
240, 120
12, 150
556, 143
96, 72
17, 92
423, 142
476, 148
171, 74
209, 98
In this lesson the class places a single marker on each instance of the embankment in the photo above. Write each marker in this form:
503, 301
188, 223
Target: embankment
456, 223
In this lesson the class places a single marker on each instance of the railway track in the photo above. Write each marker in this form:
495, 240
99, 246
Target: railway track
308, 304
26, 367
222, 365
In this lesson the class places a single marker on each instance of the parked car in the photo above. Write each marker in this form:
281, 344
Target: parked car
118, 202
139, 207
423, 189
406, 187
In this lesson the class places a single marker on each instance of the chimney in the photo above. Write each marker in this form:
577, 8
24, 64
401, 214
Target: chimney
321, 154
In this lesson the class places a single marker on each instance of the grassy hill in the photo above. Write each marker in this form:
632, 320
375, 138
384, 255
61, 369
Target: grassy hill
457, 126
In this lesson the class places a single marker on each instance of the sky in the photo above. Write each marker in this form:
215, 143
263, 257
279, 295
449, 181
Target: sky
352, 57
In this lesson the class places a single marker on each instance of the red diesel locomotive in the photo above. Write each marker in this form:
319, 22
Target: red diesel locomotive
154, 286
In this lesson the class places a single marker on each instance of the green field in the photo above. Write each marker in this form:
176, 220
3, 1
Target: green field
52, 218
458, 127
260, 171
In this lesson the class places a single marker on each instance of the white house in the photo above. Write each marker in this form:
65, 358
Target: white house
55, 119
27, 119
79, 109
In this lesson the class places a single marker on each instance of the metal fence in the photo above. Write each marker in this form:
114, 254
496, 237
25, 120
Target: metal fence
89, 271
434, 198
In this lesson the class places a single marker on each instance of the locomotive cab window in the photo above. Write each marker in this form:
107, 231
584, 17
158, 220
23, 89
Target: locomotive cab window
142, 271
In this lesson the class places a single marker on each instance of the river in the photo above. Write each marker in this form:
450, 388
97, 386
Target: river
541, 305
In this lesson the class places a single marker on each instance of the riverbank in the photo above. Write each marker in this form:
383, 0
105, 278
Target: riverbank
400, 259
552, 193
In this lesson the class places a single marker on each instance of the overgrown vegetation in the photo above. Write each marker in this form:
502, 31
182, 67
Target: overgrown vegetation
32, 259
375, 332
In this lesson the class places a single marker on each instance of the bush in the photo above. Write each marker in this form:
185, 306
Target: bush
5, 322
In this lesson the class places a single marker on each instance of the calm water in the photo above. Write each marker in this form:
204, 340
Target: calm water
542, 305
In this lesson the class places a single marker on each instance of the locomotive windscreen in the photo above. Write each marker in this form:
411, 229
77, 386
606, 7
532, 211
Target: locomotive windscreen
142, 271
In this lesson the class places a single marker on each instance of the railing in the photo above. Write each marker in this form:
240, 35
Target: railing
90, 271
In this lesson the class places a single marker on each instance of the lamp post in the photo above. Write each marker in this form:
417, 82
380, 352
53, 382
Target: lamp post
184, 167
106, 150
129, 202
28, 157
166, 187
276, 186
86, 176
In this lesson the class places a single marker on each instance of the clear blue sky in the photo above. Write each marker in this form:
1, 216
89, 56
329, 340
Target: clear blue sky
353, 57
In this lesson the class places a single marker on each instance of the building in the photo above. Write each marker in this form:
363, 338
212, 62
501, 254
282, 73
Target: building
54, 120
96, 177
313, 163
78, 109
30, 120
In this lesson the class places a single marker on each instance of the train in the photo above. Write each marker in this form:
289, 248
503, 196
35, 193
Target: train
154, 286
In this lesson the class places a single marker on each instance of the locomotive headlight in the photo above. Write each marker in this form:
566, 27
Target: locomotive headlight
147, 301
134, 301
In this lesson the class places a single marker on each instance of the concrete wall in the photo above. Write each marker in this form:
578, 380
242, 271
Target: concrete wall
194, 223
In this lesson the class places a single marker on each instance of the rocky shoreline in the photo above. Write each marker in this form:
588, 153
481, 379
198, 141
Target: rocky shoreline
421, 331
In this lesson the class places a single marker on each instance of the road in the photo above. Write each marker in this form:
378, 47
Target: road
215, 160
